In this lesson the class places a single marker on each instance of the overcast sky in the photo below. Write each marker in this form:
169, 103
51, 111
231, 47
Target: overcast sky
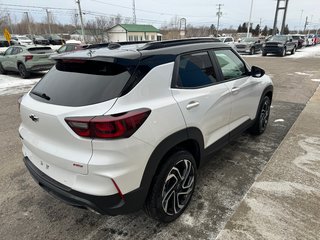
157, 13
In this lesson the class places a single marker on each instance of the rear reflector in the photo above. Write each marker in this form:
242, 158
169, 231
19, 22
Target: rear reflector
121, 125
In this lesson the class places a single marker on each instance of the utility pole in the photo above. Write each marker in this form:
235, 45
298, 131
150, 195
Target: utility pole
219, 14
274, 30
300, 21
305, 24
249, 22
29, 28
10, 24
81, 20
260, 22
48, 20
284, 17
134, 11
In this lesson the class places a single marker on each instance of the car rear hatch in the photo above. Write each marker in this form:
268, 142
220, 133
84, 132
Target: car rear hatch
40, 54
72, 88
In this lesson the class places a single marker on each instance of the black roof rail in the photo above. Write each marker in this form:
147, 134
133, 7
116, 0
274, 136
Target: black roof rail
112, 45
172, 43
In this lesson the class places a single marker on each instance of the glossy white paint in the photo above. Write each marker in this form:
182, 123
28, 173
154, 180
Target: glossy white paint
53, 147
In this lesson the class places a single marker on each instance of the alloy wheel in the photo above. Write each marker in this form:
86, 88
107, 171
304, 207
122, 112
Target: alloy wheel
264, 115
178, 187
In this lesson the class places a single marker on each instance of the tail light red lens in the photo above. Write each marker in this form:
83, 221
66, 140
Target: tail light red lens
121, 125
28, 57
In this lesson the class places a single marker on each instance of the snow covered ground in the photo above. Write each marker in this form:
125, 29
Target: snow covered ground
13, 84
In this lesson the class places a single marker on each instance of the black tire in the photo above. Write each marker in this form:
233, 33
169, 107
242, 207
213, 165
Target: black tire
2, 71
293, 51
284, 52
163, 203
262, 117
252, 51
264, 53
24, 73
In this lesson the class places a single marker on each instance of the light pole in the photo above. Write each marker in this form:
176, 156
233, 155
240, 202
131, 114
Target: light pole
81, 20
249, 23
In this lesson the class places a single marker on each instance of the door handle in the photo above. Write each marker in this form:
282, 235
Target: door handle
192, 104
235, 90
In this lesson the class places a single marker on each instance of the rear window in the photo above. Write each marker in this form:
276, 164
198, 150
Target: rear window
39, 50
79, 83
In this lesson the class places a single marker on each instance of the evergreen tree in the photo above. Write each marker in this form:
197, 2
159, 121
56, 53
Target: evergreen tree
256, 31
286, 29
265, 31
239, 29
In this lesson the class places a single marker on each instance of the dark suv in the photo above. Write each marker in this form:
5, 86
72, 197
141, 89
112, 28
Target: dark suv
280, 44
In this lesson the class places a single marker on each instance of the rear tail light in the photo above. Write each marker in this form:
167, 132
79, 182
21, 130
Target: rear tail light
28, 57
121, 125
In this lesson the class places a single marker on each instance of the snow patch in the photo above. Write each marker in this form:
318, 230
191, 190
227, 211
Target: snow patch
315, 80
309, 162
279, 120
13, 85
303, 74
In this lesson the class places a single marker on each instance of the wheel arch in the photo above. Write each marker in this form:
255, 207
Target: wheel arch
268, 91
190, 139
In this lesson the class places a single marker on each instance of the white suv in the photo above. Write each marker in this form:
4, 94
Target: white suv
115, 130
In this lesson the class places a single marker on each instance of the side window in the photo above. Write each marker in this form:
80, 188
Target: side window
196, 70
70, 48
16, 50
9, 51
62, 49
231, 66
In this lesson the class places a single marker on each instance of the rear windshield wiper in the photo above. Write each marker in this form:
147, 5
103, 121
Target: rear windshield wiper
42, 95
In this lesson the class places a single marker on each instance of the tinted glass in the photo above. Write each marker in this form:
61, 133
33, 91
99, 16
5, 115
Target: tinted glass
231, 66
62, 49
195, 70
80, 83
16, 50
70, 48
39, 50
9, 51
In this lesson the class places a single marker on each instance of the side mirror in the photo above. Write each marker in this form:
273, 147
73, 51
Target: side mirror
2, 53
290, 40
259, 41
257, 72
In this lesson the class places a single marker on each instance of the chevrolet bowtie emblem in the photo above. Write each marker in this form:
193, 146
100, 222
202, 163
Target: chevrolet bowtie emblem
34, 118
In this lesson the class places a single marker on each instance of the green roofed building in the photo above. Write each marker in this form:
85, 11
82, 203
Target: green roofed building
133, 32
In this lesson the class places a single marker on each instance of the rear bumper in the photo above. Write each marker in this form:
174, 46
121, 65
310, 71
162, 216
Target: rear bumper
110, 205
42, 67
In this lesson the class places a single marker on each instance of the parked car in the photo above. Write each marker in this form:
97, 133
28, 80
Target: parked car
118, 130
227, 40
5, 43
310, 40
279, 44
301, 40
23, 40
55, 39
70, 47
249, 45
37, 39
26, 59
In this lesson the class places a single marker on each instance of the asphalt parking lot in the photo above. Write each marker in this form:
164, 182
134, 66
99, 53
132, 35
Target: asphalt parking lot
28, 212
